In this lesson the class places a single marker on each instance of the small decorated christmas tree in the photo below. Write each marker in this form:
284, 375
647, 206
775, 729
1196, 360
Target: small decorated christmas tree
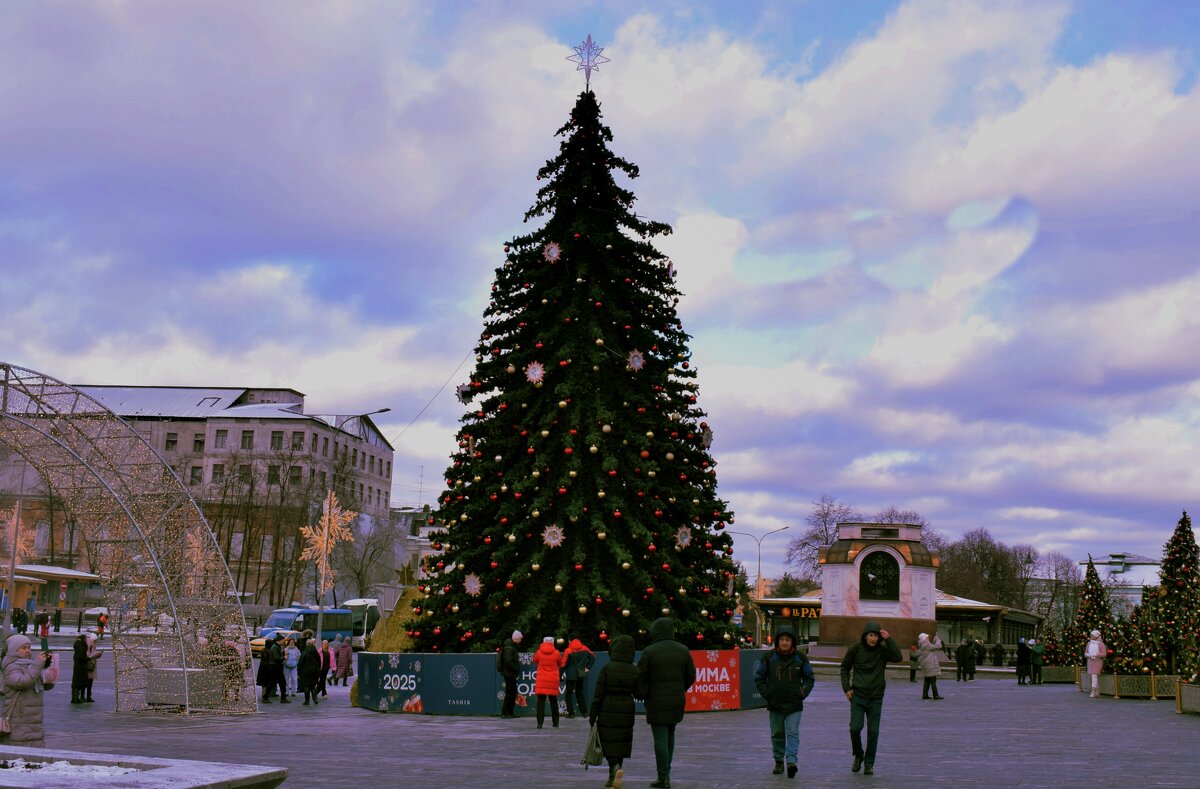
1094, 613
582, 498
1054, 653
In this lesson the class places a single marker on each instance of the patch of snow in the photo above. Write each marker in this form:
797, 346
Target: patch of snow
67, 768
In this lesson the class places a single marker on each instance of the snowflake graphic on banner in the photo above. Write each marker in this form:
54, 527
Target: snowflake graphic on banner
716, 705
383, 705
473, 585
712, 655
553, 536
394, 661
535, 373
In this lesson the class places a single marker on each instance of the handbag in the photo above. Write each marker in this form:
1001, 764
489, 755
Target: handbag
593, 754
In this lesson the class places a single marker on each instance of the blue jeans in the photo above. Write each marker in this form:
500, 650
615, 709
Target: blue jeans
664, 748
872, 709
785, 735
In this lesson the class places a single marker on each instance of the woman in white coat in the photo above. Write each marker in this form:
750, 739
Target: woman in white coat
927, 662
1095, 652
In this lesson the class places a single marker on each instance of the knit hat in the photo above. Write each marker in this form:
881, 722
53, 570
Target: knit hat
1095, 633
16, 641
517, 635
922, 637
548, 640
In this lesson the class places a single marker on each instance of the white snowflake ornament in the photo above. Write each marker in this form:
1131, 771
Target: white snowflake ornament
635, 361
473, 585
683, 537
552, 252
535, 373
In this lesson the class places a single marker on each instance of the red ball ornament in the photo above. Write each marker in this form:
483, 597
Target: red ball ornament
495, 565
599, 600
568, 451
562, 491
488, 540
699, 636
508, 585
576, 235
645, 453
652, 547
617, 514
437, 631
579, 567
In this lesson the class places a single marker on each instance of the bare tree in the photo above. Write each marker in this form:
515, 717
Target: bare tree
369, 559
803, 551
894, 514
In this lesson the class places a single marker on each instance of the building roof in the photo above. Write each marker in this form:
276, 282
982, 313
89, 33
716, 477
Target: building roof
943, 600
184, 402
56, 573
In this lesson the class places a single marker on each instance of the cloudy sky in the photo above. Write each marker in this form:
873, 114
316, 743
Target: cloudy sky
937, 255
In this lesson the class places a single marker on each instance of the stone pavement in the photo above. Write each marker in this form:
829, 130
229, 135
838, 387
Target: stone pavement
989, 733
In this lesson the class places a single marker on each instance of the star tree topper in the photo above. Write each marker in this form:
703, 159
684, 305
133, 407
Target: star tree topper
588, 56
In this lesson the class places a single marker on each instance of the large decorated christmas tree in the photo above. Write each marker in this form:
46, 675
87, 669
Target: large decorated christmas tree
1170, 613
582, 497
1094, 613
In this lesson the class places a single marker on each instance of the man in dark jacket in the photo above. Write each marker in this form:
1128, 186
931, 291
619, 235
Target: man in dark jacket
1023, 656
784, 678
274, 653
864, 681
667, 673
509, 666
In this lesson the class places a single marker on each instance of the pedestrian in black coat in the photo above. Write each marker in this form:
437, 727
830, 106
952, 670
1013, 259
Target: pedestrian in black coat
667, 673
79, 669
612, 707
274, 653
509, 666
1024, 656
309, 672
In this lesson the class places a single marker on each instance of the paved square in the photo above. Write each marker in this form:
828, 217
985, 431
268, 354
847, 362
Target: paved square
990, 733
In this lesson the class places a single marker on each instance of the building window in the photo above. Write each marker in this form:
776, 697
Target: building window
208, 402
276, 439
294, 476
235, 545
371, 465
363, 461
244, 473
298, 441
268, 545
321, 477
247, 439
198, 442
360, 491
197, 475
335, 449
272, 475
389, 471
370, 494
313, 450
220, 439
879, 577
354, 457
218, 472
324, 447
385, 499
171, 442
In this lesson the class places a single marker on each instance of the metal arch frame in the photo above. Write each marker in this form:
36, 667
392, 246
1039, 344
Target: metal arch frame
18, 379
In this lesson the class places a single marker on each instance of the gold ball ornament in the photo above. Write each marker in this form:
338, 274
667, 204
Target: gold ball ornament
510, 369
512, 538
545, 434
624, 565
666, 610
625, 612
593, 449
536, 567
601, 535
600, 341
558, 587
669, 456
562, 403
535, 514
606, 428
572, 474
535, 474
600, 494
583, 609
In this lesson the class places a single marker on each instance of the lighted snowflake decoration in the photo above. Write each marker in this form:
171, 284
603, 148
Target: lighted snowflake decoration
473, 585
635, 361
706, 436
464, 393
588, 56
552, 252
535, 372
553, 536
683, 537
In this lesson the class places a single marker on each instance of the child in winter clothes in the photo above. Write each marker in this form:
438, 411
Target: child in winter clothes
549, 662
1094, 653
579, 661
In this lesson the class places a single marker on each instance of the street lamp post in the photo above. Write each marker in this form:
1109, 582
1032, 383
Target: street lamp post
758, 577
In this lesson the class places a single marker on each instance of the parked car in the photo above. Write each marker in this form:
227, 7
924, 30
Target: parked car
334, 621
259, 643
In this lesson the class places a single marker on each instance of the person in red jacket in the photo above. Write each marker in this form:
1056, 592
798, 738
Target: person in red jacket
549, 662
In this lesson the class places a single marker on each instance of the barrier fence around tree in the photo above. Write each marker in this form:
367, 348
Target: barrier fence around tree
468, 684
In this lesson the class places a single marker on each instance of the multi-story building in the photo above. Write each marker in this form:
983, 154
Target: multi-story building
260, 468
